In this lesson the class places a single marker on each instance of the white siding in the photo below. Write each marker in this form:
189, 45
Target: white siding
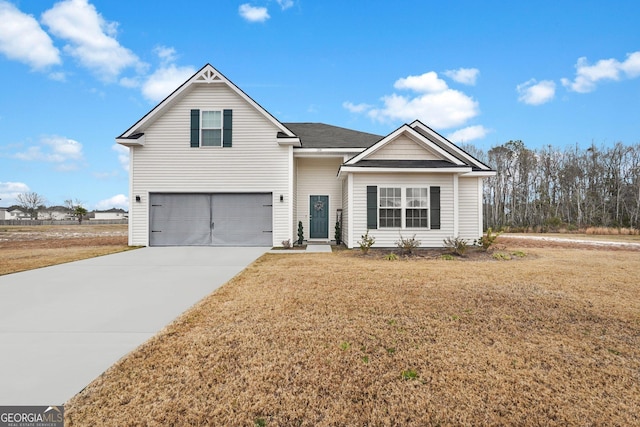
167, 163
404, 148
318, 176
469, 224
345, 210
388, 237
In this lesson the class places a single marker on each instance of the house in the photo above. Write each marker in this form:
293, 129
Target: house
13, 213
54, 213
210, 166
110, 214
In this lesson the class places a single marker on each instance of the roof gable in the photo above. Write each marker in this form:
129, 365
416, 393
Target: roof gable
432, 151
447, 145
206, 75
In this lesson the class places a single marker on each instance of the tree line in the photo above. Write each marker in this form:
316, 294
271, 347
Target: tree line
573, 187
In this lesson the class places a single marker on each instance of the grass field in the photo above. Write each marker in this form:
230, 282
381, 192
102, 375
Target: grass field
339, 339
28, 247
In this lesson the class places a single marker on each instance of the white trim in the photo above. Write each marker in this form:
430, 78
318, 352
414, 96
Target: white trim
131, 197
456, 203
403, 206
131, 142
412, 134
293, 142
480, 208
289, 197
350, 209
461, 171
458, 151
481, 174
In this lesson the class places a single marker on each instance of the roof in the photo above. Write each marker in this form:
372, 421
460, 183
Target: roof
320, 135
422, 164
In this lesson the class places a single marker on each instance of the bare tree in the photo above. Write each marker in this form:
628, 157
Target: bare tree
30, 202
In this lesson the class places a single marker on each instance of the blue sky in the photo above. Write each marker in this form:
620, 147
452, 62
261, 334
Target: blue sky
74, 74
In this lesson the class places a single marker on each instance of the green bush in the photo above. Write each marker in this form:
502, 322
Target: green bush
366, 242
487, 240
455, 245
407, 246
300, 233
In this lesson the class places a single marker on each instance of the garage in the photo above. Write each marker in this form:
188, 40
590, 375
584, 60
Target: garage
214, 219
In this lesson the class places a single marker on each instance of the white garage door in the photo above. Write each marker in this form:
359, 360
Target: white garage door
210, 219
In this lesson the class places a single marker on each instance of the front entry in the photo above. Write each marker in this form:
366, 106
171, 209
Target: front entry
318, 217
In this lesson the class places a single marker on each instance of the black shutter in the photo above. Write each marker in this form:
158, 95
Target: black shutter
435, 207
372, 207
195, 128
226, 127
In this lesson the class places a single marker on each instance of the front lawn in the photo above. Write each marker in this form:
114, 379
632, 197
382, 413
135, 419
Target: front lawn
340, 339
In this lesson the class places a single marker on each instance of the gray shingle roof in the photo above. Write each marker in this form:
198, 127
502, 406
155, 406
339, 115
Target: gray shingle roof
320, 135
407, 164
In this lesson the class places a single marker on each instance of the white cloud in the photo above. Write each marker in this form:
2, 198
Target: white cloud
253, 13
91, 39
427, 82
123, 155
166, 54
165, 80
465, 76
118, 201
435, 104
356, 108
468, 134
62, 151
587, 76
285, 4
533, 92
10, 190
22, 39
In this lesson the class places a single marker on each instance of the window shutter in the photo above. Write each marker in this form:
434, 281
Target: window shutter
435, 207
227, 127
195, 128
372, 207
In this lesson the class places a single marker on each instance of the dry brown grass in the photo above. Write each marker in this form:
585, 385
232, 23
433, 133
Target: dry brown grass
340, 339
28, 247
612, 231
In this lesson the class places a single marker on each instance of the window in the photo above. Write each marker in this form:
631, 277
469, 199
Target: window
416, 211
390, 207
211, 129
404, 207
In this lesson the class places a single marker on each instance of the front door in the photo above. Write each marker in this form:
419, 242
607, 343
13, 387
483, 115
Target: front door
318, 217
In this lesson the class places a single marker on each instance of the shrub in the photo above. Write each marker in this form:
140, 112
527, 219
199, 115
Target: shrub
407, 245
300, 233
286, 244
455, 245
392, 257
487, 240
338, 232
366, 242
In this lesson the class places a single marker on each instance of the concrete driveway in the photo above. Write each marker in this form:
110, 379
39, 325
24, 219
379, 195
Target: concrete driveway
62, 326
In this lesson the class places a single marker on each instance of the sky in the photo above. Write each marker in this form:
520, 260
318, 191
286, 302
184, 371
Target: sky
75, 74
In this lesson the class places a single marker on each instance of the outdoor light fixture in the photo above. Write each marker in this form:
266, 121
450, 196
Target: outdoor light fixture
281, 198
138, 199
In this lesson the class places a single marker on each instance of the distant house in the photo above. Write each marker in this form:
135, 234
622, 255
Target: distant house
54, 213
110, 214
13, 213
210, 166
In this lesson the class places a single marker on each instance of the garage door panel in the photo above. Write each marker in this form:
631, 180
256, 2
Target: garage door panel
242, 220
210, 219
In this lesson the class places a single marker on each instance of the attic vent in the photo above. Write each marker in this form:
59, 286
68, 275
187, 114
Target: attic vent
208, 76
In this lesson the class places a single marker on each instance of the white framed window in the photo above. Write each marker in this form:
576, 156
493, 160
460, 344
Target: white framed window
390, 208
403, 207
211, 128
416, 210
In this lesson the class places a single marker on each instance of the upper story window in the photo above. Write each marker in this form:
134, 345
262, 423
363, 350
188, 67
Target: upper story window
211, 129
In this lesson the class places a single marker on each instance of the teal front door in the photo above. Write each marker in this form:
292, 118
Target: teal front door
318, 217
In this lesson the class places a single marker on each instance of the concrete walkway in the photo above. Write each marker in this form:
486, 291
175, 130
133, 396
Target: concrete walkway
62, 326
